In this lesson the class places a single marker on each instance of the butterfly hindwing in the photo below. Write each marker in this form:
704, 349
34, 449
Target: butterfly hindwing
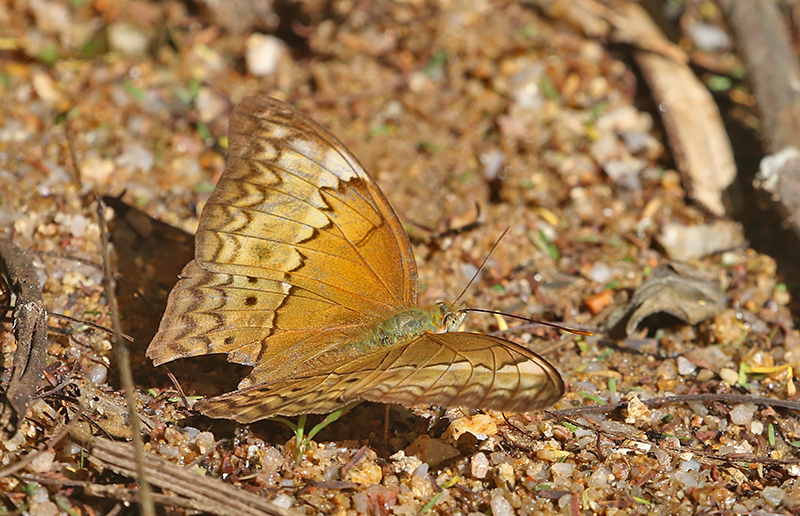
448, 369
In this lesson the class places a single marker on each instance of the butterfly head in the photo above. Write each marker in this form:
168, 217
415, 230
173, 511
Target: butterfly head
451, 316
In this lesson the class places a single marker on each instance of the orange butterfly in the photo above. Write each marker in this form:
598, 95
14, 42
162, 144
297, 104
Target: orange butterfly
303, 271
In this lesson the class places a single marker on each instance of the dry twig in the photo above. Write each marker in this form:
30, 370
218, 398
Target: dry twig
192, 490
122, 356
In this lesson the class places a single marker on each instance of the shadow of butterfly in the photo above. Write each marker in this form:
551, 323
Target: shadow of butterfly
303, 271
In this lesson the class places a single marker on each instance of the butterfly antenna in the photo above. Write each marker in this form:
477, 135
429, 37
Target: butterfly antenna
481, 267
526, 319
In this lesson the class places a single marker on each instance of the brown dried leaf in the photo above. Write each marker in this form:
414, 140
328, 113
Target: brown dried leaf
675, 289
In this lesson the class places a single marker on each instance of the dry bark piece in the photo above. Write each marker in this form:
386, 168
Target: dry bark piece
592, 16
30, 332
697, 136
190, 488
760, 31
779, 176
683, 243
772, 66
675, 289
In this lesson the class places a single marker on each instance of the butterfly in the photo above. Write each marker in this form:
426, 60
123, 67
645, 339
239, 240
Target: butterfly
303, 271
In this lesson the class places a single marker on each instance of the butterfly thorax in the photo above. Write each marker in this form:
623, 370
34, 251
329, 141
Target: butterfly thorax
410, 323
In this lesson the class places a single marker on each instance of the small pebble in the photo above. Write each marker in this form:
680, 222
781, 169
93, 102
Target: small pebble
204, 442
600, 272
641, 142
505, 472
742, 414
431, 451
169, 451
95, 168
551, 455
708, 37
271, 460
685, 367
773, 495
500, 457
616, 426
263, 53
479, 425
599, 478
624, 119
41, 504
492, 161
686, 479
711, 356
16, 440
42, 462
479, 465
729, 376
404, 463
366, 474
46, 88
128, 39
625, 172
51, 17
637, 410
525, 83
690, 465
562, 469
501, 506
283, 500
98, 374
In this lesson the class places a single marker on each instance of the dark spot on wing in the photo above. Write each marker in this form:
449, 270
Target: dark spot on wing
250, 301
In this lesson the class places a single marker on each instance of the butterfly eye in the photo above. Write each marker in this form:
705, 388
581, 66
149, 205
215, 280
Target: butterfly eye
452, 320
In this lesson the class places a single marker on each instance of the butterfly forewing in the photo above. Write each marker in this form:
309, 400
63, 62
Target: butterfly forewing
297, 249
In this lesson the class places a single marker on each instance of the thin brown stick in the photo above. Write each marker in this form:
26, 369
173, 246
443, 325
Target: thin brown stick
178, 388
732, 458
670, 400
187, 485
90, 324
76, 167
123, 359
